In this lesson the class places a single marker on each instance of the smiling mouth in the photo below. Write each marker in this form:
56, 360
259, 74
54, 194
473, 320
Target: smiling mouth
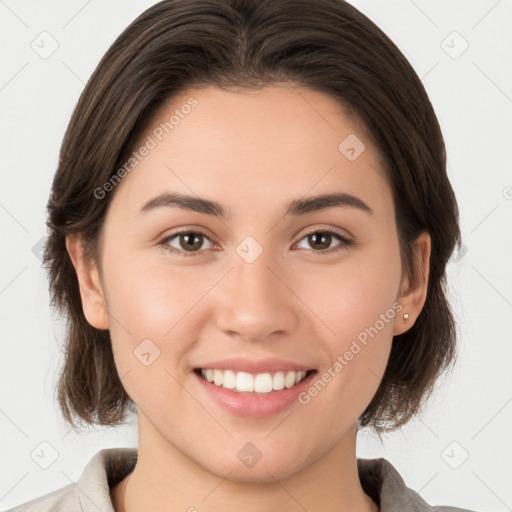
256, 384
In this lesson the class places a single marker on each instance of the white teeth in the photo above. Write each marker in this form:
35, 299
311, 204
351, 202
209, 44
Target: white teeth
218, 377
278, 381
229, 379
246, 382
263, 383
289, 380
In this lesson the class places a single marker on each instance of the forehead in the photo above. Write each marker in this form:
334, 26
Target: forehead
254, 147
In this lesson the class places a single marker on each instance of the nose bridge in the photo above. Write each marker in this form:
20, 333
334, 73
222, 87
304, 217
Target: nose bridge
252, 280
256, 303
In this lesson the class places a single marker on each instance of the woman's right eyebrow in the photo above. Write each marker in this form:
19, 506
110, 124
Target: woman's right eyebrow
184, 202
296, 207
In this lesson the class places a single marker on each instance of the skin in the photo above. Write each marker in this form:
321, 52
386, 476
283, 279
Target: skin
254, 152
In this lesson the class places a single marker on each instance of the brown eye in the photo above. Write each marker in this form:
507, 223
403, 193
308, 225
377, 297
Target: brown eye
189, 243
321, 241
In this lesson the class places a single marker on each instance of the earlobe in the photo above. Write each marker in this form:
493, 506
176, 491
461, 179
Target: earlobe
413, 294
91, 290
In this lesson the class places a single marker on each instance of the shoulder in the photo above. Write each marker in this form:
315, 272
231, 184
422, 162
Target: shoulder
382, 482
60, 500
92, 491
451, 509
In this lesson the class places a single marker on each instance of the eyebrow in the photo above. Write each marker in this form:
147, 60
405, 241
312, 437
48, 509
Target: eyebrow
296, 207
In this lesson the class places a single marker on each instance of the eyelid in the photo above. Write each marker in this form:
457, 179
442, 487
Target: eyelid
335, 230
163, 241
188, 229
345, 241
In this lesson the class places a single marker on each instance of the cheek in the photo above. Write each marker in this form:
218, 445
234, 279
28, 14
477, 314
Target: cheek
152, 302
350, 297
151, 330
355, 304
151, 297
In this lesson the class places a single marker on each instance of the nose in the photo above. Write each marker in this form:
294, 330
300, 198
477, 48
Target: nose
256, 299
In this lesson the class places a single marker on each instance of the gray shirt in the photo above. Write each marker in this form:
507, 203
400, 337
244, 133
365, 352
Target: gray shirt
379, 480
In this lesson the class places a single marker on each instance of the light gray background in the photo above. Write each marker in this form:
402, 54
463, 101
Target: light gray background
471, 412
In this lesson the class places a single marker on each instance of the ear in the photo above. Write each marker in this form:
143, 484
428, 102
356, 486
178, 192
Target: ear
413, 294
91, 290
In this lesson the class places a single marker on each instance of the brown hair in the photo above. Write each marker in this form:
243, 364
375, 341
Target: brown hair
327, 45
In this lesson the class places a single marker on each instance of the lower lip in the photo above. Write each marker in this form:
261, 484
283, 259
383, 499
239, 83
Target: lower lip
255, 406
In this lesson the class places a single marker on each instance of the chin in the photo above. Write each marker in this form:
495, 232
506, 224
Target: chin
267, 469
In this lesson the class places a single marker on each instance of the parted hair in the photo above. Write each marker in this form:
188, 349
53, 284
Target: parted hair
326, 45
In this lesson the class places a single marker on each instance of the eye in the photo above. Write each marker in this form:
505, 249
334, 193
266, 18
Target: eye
190, 242
322, 238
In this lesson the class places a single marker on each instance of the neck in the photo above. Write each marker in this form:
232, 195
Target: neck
166, 479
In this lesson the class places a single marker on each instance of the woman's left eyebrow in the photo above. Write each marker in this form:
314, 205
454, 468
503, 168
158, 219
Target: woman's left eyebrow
296, 207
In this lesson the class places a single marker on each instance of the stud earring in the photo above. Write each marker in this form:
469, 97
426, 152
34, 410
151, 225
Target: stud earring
406, 316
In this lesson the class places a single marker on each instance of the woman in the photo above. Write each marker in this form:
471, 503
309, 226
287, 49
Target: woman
249, 230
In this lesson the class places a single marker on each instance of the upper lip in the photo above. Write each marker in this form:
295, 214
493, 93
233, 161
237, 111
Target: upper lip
255, 366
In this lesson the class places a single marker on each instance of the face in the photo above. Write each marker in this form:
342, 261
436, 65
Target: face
259, 284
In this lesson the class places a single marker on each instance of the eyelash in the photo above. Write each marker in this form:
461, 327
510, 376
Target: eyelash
346, 242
